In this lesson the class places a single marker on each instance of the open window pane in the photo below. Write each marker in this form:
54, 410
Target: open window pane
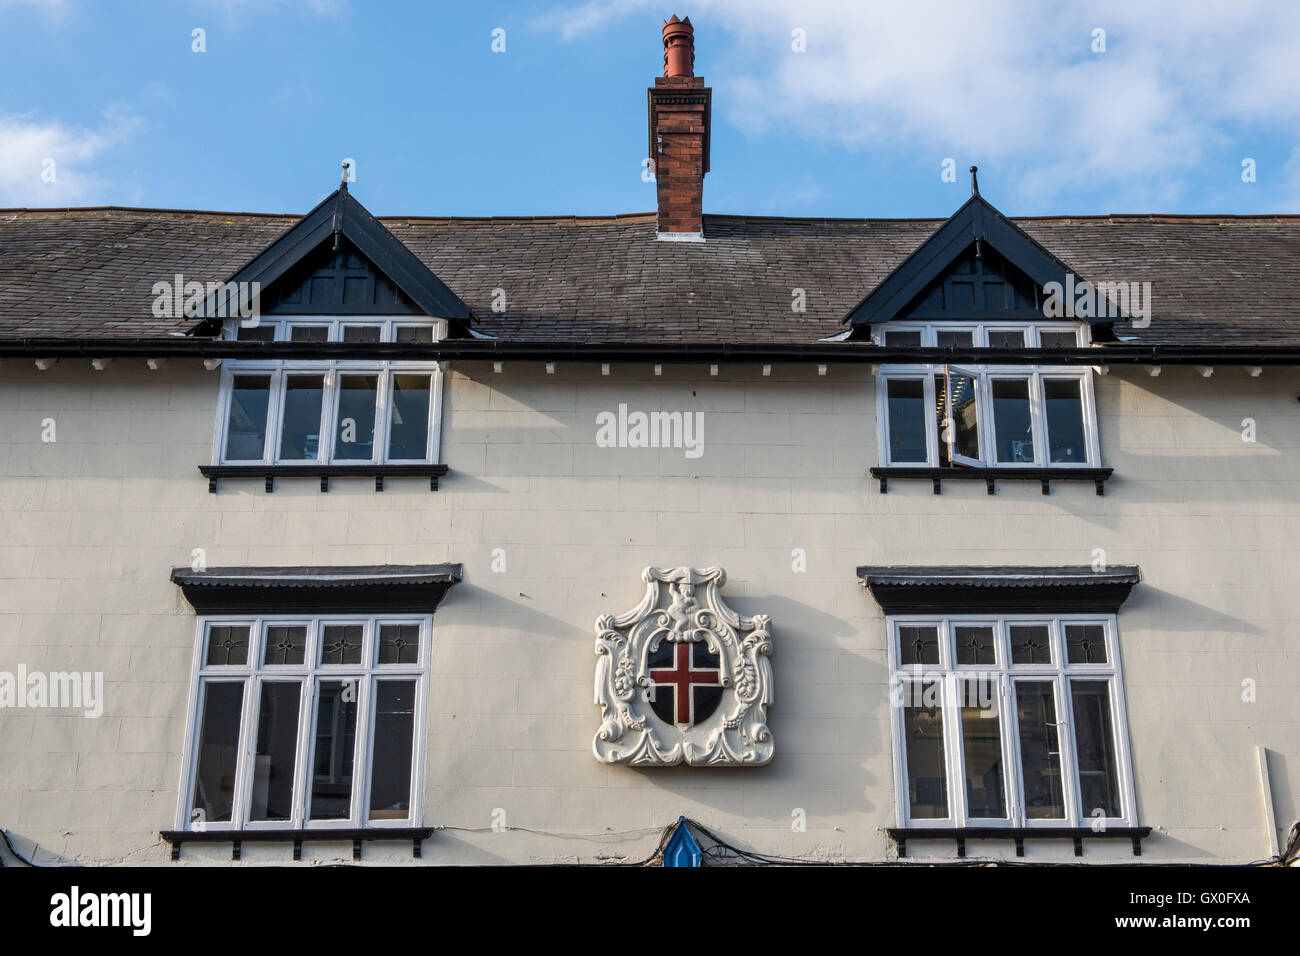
959, 427
907, 416
277, 751
250, 397
927, 776
981, 739
218, 753
1040, 750
1085, 643
227, 645
333, 749
1012, 420
1066, 438
1095, 740
390, 776
354, 437
918, 644
408, 433
300, 433
973, 643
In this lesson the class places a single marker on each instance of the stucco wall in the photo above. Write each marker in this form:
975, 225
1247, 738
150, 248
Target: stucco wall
91, 523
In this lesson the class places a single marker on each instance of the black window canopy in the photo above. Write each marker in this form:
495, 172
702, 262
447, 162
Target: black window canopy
1002, 589
363, 589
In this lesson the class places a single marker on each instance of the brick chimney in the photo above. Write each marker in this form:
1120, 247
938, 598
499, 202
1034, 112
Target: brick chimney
679, 105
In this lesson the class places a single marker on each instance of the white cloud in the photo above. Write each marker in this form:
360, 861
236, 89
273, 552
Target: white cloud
1013, 84
49, 163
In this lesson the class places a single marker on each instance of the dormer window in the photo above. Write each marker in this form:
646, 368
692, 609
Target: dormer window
337, 277
943, 415
406, 329
979, 283
987, 416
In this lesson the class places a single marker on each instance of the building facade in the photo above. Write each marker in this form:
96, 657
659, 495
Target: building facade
516, 540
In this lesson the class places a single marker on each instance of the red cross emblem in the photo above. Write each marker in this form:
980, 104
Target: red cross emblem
684, 678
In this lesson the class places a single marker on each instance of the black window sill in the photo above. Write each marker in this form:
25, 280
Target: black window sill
900, 835
236, 838
991, 475
268, 473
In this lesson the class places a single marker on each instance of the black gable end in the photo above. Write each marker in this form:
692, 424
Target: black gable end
342, 281
976, 265
340, 253
979, 284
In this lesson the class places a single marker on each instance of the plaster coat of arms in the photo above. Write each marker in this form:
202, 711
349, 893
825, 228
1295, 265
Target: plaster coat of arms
683, 678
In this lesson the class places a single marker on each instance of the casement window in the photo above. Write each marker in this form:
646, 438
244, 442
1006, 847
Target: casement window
1009, 721
985, 415
306, 722
328, 411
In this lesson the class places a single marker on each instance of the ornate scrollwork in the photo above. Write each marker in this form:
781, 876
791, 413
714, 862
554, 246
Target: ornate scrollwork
727, 724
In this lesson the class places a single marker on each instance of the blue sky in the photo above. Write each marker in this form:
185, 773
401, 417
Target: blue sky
857, 123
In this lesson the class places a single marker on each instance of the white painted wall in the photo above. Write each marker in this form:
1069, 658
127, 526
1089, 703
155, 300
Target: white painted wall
91, 525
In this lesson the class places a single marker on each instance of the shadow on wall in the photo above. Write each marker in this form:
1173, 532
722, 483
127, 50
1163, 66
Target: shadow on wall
1175, 612
812, 760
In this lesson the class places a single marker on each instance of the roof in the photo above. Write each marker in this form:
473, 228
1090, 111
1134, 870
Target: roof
88, 273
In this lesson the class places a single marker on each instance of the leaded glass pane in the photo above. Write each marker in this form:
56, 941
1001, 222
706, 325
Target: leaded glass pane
285, 644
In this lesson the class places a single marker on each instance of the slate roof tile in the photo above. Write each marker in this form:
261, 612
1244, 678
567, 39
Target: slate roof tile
89, 272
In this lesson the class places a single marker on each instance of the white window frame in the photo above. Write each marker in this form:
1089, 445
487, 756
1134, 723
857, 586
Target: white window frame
979, 338
279, 371
388, 325
1005, 675
253, 674
986, 425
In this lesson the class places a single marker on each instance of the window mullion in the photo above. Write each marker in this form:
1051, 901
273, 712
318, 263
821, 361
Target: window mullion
1010, 751
362, 751
244, 760
383, 399
956, 752
1073, 799
301, 778
332, 397
1038, 416
931, 393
